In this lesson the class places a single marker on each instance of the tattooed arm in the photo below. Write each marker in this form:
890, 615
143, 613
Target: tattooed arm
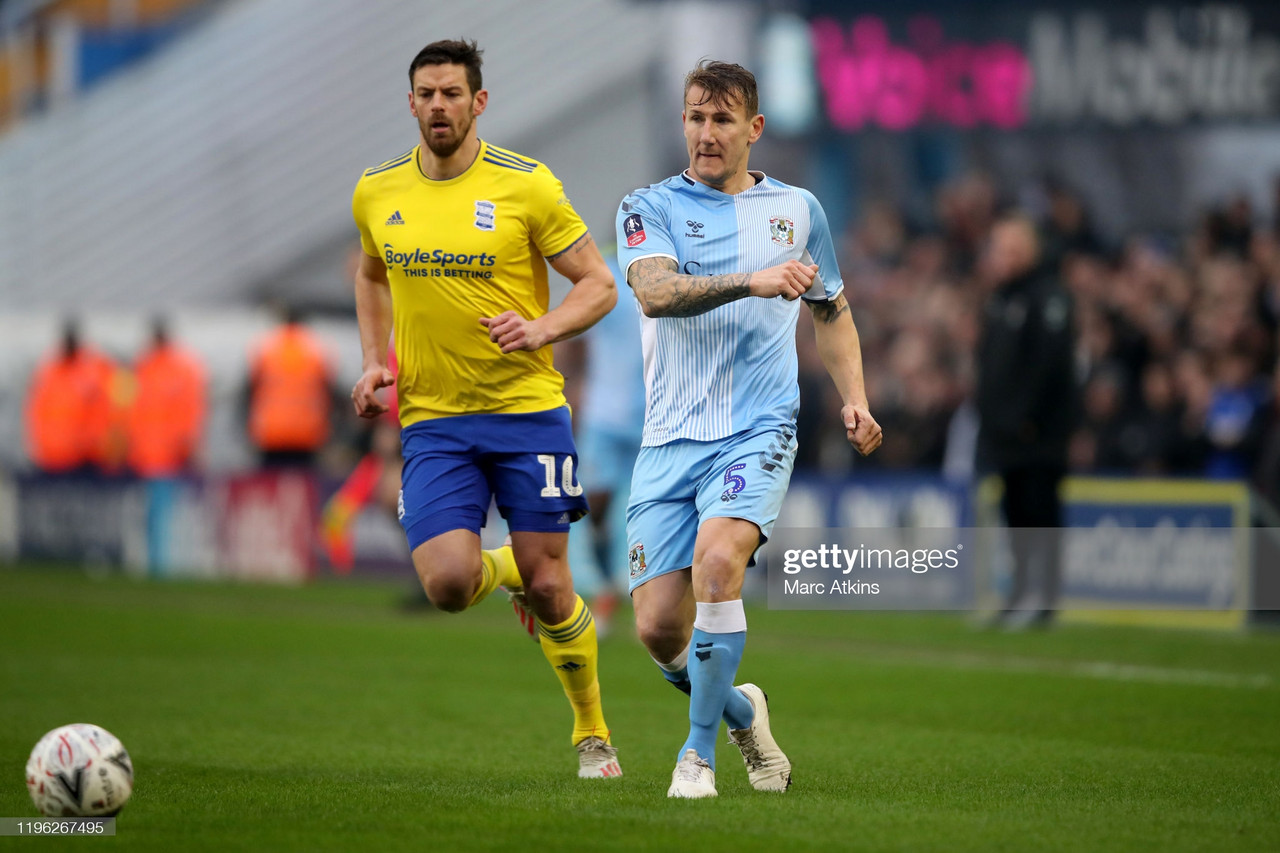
841, 352
663, 292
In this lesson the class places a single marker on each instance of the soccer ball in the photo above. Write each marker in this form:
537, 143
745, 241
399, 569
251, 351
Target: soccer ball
79, 770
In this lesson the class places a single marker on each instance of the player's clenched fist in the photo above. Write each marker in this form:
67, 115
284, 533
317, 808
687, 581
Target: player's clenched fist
790, 280
512, 332
365, 395
861, 429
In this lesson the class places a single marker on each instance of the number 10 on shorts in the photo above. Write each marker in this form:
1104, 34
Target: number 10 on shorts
566, 477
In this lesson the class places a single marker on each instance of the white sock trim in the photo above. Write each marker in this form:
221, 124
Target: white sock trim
681, 661
721, 617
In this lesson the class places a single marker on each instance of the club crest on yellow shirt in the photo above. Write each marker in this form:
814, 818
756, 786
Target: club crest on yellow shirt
485, 215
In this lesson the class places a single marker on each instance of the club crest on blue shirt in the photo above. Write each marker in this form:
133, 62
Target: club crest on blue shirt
485, 215
782, 231
633, 228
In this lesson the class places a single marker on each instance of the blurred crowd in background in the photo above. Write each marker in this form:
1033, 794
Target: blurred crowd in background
1176, 337
1176, 355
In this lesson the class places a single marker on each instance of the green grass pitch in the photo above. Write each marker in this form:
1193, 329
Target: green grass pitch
323, 718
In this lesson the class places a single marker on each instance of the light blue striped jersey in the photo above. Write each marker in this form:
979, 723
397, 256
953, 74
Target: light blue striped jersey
733, 367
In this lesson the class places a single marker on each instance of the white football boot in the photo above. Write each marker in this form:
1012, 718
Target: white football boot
693, 778
597, 759
767, 765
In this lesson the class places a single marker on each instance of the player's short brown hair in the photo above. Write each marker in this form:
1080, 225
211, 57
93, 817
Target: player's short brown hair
726, 83
452, 52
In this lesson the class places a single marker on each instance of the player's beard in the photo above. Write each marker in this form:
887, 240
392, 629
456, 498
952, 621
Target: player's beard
444, 146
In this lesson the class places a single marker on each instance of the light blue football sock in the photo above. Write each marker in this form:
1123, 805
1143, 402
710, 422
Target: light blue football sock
738, 712
712, 667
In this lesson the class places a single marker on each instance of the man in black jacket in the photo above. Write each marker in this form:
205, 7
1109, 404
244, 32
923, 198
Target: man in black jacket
1027, 409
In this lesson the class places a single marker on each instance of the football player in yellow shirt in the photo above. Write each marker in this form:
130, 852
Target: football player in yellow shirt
454, 235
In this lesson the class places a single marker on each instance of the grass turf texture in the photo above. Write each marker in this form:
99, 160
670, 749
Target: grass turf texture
323, 718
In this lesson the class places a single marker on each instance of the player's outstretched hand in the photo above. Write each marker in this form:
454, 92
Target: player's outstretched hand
365, 395
861, 429
790, 280
512, 332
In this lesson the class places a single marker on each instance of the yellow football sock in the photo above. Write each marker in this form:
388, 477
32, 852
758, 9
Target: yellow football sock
497, 568
570, 648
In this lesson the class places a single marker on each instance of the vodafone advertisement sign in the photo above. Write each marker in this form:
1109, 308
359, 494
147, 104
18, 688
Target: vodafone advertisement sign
1028, 65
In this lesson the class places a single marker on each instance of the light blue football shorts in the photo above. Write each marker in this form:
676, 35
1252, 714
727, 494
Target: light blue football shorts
679, 485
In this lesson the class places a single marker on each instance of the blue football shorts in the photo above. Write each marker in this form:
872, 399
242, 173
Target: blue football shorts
454, 467
679, 485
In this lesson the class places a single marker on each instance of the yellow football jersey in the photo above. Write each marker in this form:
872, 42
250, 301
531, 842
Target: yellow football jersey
456, 251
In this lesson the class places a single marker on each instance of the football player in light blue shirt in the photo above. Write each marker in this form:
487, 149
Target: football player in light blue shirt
717, 257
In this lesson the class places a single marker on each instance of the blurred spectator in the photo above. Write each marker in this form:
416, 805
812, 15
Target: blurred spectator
966, 209
1157, 443
290, 397
1195, 392
1068, 230
1232, 424
70, 408
1229, 230
1101, 445
166, 418
915, 415
874, 245
1026, 407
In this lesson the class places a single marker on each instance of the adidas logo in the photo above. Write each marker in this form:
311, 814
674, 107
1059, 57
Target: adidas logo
563, 519
395, 219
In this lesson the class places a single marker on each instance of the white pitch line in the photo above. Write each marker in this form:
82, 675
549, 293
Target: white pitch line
1106, 670
1162, 675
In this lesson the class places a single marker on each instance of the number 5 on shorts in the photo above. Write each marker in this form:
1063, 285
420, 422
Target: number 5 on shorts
566, 477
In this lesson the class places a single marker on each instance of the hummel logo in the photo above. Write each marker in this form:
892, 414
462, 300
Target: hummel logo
395, 219
701, 655
695, 227
570, 666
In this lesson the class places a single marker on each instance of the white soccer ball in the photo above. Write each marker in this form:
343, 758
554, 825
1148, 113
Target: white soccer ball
79, 770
